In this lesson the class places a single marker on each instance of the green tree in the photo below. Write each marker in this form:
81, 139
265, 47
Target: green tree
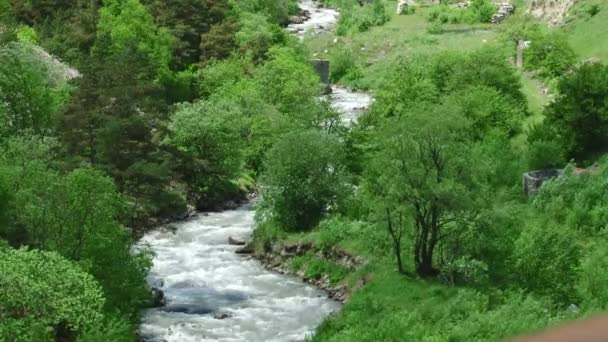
128, 24
206, 136
550, 54
288, 81
256, 35
423, 173
44, 297
76, 215
189, 22
28, 101
578, 118
304, 176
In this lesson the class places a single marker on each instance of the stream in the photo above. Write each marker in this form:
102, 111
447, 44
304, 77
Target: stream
214, 294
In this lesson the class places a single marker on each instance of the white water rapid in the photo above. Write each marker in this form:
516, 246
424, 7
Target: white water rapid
214, 294
204, 279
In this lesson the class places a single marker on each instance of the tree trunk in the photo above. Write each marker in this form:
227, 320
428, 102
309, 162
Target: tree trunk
396, 234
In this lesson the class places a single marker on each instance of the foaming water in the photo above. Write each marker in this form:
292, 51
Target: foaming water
321, 19
201, 276
350, 104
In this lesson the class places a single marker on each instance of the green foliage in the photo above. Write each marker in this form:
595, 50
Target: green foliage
222, 74
593, 10
26, 34
480, 11
191, 22
28, 99
289, 82
423, 169
490, 112
394, 308
591, 282
316, 268
206, 137
77, 216
276, 11
331, 232
129, 24
578, 119
43, 295
435, 28
304, 176
360, 18
550, 54
342, 65
546, 260
256, 35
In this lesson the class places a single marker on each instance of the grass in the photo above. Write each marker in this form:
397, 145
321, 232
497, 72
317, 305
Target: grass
386, 306
403, 36
589, 34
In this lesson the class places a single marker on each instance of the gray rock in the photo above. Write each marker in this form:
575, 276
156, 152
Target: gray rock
235, 242
222, 315
247, 249
158, 298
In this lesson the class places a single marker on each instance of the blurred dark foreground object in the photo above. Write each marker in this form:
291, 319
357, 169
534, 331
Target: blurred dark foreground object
589, 330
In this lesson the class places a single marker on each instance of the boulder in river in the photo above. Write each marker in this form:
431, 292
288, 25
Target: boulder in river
222, 315
158, 298
247, 249
236, 242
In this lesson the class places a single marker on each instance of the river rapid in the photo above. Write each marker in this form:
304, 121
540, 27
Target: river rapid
214, 294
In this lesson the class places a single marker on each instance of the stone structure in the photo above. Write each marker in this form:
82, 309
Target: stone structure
533, 180
322, 68
505, 9
521, 46
403, 6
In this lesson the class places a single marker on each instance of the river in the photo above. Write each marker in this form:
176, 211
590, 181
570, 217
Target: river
214, 294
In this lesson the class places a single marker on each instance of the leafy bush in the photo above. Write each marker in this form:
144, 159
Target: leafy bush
481, 11
593, 10
435, 28
578, 118
550, 54
44, 295
304, 177
360, 18
331, 232
592, 277
465, 271
342, 64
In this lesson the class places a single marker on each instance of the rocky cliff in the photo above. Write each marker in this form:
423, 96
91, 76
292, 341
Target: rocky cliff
553, 11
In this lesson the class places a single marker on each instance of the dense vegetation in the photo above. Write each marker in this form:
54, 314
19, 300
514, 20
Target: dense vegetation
117, 115
431, 191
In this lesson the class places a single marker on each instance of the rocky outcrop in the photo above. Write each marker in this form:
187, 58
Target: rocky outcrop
301, 17
505, 9
158, 298
278, 258
553, 11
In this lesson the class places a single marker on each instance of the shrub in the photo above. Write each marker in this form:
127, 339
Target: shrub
43, 295
593, 277
550, 54
331, 232
435, 28
304, 177
342, 64
593, 10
